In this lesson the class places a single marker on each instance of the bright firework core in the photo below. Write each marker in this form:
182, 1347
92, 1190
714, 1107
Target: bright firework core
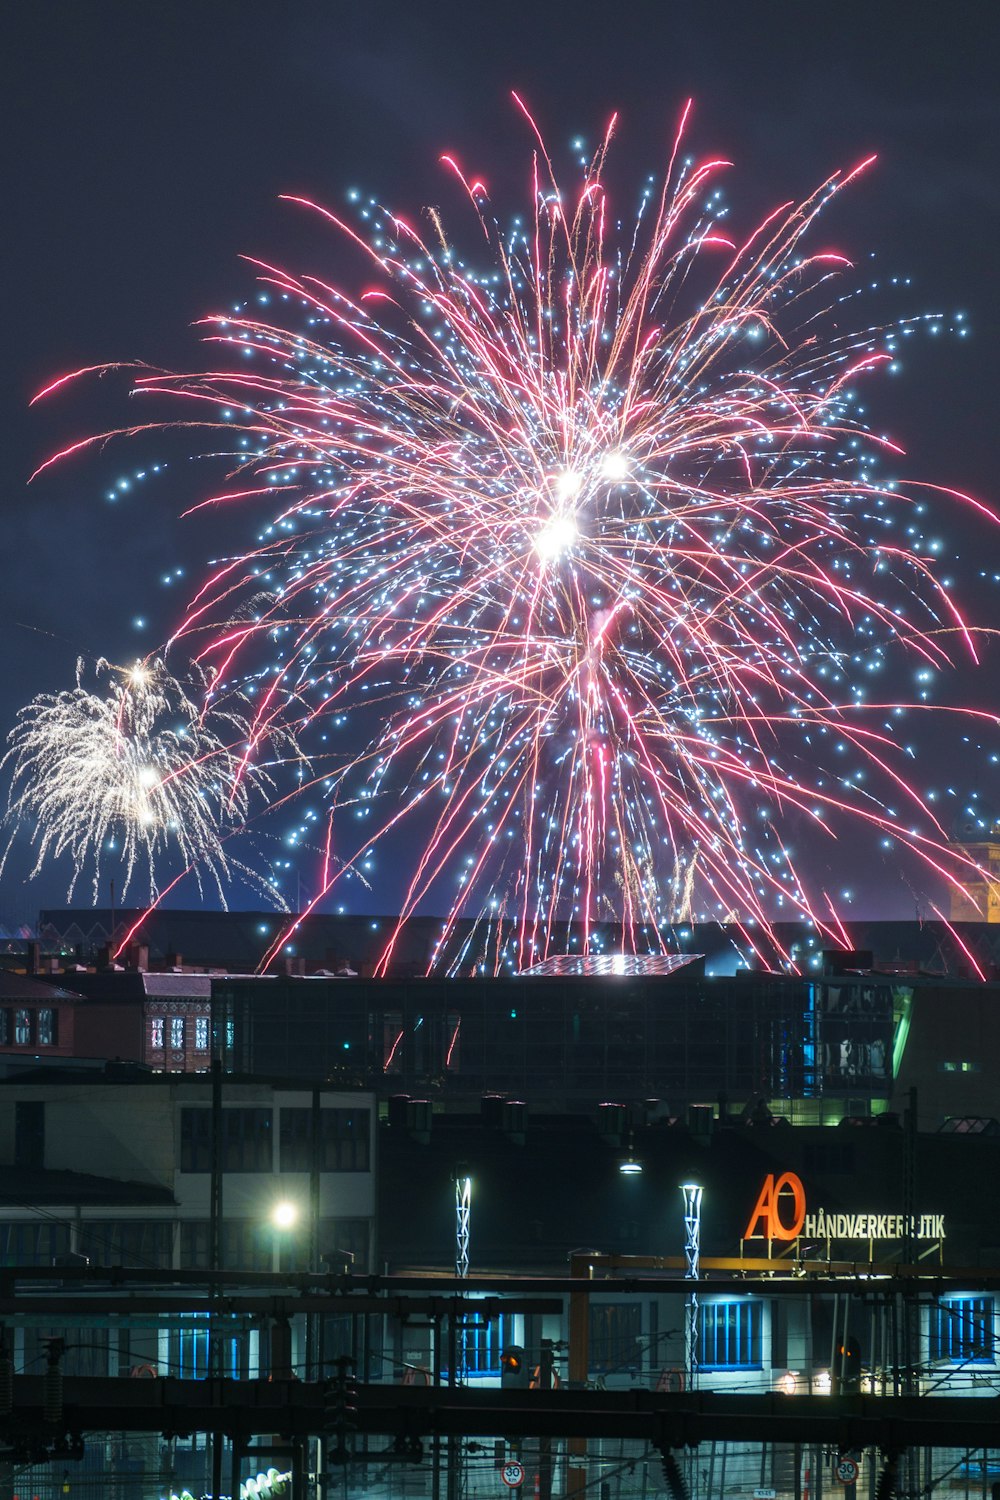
656, 728
556, 536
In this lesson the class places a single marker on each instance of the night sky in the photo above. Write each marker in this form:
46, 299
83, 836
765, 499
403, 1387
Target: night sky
147, 145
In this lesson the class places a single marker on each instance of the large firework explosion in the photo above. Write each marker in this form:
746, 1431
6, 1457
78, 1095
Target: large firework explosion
138, 770
581, 551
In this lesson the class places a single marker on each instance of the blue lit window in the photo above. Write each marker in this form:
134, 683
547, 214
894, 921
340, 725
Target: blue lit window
482, 1340
729, 1335
961, 1329
193, 1351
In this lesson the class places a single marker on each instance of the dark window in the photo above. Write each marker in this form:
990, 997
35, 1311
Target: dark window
196, 1242
143, 1243
33, 1243
5, 1030
24, 1029
615, 1329
246, 1140
961, 1329
196, 1140
729, 1335
344, 1242
29, 1133
246, 1245
48, 1027
343, 1140
86, 1352
392, 1042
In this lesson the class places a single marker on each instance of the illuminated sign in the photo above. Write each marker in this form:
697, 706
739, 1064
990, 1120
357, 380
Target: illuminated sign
780, 1214
781, 1219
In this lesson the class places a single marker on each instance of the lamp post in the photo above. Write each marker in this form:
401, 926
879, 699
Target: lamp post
463, 1207
692, 1258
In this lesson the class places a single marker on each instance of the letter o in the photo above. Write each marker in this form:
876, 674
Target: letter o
780, 1231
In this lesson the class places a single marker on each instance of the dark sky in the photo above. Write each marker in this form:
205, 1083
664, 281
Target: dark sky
147, 144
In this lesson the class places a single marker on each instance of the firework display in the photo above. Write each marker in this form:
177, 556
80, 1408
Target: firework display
583, 569
138, 769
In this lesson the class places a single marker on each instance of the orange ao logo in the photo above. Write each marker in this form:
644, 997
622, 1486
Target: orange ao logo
780, 1209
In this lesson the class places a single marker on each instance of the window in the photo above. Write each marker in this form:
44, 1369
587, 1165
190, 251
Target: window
246, 1140
33, 1243
392, 1042
729, 1335
201, 1034
23, 1028
192, 1347
177, 1033
483, 1341
156, 1034
193, 1350
5, 1031
615, 1330
48, 1027
127, 1242
961, 1329
343, 1140
196, 1140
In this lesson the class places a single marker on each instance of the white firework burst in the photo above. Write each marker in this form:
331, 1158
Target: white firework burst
139, 769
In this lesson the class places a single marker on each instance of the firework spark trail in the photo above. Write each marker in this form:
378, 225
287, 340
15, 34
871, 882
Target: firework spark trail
584, 536
136, 767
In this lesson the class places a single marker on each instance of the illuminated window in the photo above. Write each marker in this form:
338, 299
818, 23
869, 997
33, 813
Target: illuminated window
48, 1027
177, 1033
156, 1034
201, 1034
961, 1329
729, 1335
23, 1028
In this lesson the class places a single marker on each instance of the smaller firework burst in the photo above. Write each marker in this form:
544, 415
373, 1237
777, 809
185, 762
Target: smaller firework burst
137, 768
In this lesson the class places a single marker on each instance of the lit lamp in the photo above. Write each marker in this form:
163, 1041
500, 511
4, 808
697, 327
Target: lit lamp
692, 1192
630, 1166
285, 1214
463, 1211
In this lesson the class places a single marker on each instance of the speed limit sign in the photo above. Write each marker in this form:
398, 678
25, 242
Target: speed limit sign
512, 1474
847, 1471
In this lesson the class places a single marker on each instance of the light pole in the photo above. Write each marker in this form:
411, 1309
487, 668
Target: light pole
457, 1376
463, 1207
692, 1258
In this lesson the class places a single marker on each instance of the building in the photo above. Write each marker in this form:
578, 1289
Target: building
115, 1165
240, 941
161, 1020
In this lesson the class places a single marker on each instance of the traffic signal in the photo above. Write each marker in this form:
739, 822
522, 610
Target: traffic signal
848, 1367
514, 1373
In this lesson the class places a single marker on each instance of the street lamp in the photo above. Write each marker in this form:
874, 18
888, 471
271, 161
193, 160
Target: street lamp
285, 1214
630, 1166
692, 1262
463, 1210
